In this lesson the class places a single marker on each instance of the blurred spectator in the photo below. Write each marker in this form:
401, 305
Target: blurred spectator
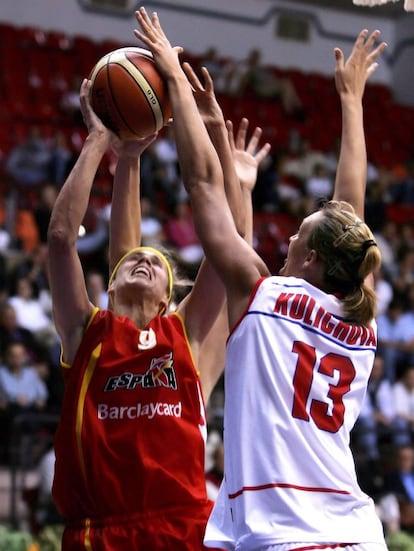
22, 390
219, 69
264, 196
375, 206
214, 475
378, 421
70, 100
5, 239
389, 512
21, 383
395, 331
403, 390
151, 175
403, 275
320, 185
31, 314
400, 483
388, 240
95, 285
11, 332
46, 199
403, 188
168, 171
45, 511
92, 243
33, 266
61, 158
152, 231
213, 440
28, 162
181, 235
301, 160
263, 82
384, 291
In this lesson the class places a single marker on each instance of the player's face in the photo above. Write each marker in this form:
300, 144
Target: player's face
145, 270
298, 251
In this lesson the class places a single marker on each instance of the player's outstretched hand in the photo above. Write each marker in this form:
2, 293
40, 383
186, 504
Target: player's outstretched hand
204, 95
352, 74
153, 36
247, 155
92, 122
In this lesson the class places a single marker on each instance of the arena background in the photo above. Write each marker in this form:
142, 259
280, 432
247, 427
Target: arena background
292, 35
310, 29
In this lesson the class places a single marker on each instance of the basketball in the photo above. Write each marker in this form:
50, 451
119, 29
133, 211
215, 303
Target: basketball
128, 93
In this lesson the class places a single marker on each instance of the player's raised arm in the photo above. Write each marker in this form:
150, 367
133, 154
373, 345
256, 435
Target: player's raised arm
212, 116
201, 171
350, 78
247, 156
125, 223
71, 305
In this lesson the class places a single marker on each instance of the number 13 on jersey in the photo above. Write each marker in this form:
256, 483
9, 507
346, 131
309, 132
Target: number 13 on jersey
307, 367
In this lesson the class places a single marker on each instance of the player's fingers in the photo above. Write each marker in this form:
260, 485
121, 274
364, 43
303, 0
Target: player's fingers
241, 133
191, 76
370, 41
84, 93
143, 37
254, 140
208, 81
372, 68
339, 58
156, 24
359, 42
230, 134
85, 86
263, 152
143, 19
377, 52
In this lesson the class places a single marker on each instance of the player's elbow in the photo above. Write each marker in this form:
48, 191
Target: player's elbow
202, 175
60, 237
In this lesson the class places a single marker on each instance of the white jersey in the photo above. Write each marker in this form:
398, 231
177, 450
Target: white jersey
295, 378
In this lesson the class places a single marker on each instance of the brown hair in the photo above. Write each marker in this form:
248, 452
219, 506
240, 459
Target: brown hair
349, 253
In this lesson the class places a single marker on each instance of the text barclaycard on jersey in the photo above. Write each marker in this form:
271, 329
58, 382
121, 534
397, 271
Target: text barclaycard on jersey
149, 410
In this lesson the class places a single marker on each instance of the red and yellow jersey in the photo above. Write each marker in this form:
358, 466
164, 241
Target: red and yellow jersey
132, 430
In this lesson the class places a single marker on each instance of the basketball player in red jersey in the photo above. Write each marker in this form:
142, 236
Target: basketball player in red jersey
301, 348
129, 448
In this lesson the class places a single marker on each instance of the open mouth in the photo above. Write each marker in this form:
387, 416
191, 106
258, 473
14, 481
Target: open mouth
141, 270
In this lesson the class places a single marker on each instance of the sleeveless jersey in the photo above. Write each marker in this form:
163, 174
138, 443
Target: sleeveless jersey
132, 405
295, 377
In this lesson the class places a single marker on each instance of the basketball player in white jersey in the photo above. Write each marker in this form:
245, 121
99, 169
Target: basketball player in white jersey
301, 347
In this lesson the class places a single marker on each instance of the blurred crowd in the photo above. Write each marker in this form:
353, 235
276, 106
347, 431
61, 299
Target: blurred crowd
292, 182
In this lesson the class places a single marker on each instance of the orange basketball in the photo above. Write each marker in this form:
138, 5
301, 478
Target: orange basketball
128, 93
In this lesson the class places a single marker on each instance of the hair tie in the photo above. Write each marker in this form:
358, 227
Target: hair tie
366, 245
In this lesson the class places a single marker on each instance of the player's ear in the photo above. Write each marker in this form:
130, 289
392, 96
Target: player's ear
111, 292
163, 306
311, 257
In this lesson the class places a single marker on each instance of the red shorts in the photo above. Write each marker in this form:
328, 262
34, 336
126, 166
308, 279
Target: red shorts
178, 529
